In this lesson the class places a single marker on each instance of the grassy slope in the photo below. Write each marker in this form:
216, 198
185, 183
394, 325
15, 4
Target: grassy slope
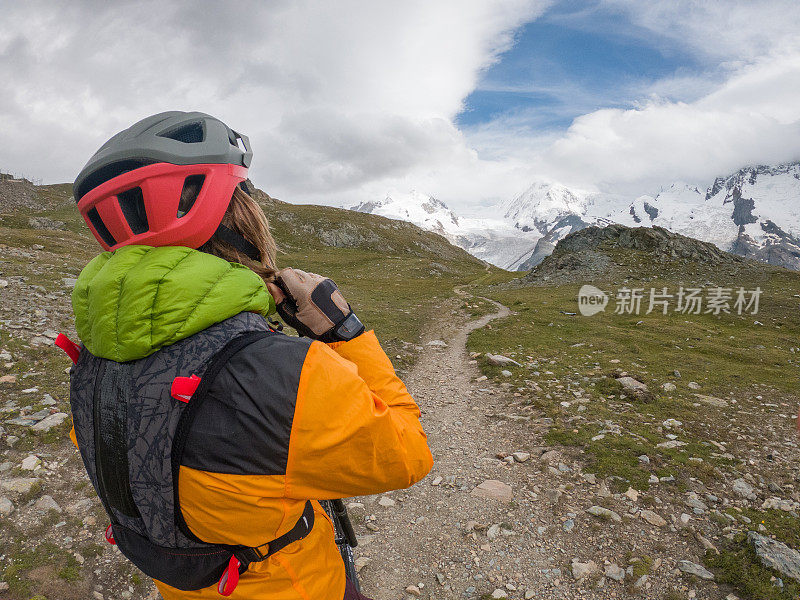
754, 367
393, 273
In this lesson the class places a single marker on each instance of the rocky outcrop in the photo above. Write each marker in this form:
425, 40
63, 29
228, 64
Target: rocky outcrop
589, 253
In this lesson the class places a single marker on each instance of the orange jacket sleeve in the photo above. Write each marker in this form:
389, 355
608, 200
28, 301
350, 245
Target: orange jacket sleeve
356, 428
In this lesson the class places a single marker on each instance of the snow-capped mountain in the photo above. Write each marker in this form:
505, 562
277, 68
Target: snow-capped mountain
543, 204
555, 211
754, 212
415, 207
493, 240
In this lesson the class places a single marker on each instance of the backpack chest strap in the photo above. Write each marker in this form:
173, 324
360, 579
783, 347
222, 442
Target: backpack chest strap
300, 530
244, 556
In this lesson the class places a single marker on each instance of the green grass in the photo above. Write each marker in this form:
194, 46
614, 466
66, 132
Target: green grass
730, 356
784, 526
394, 274
738, 565
18, 562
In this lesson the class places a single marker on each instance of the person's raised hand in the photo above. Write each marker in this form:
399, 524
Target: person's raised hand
314, 306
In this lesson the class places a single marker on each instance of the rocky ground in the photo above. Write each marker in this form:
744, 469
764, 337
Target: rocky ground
504, 515
505, 511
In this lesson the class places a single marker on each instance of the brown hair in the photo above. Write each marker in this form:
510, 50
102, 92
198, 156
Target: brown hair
245, 217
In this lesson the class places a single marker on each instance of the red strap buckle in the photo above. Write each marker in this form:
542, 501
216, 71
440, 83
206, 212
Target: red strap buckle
183, 387
230, 578
67, 345
110, 535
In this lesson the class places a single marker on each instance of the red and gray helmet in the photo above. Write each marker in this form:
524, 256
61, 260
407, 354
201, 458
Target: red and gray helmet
130, 190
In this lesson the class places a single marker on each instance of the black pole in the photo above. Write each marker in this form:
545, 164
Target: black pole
344, 519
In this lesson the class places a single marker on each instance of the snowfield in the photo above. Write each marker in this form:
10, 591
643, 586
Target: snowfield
754, 212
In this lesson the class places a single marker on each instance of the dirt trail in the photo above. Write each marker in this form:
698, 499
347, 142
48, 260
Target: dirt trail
446, 542
423, 538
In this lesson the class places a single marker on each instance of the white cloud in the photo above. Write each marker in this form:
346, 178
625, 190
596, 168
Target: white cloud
335, 96
734, 30
743, 108
753, 118
345, 100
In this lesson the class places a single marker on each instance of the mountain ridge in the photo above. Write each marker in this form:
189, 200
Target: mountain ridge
753, 212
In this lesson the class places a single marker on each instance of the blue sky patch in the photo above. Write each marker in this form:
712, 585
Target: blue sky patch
571, 61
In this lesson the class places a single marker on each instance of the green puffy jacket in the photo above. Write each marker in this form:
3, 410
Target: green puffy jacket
130, 302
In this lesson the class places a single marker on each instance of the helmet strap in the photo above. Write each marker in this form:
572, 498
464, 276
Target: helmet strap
226, 234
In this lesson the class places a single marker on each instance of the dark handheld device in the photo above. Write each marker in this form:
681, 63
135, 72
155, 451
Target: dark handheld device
344, 536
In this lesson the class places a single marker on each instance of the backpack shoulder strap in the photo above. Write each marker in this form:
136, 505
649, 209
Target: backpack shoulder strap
198, 397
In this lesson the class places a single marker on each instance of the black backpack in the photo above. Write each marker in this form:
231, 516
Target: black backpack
131, 421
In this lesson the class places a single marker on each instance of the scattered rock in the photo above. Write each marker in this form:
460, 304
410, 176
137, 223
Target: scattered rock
19, 485
8, 379
31, 462
632, 495
85, 504
706, 543
783, 504
6, 506
776, 555
691, 568
614, 571
693, 385
361, 562
693, 502
521, 457
496, 490
632, 385
438, 343
669, 386
499, 360
46, 503
652, 518
640, 583
386, 502
506, 373
48, 423
553, 496
581, 570
671, 444
604, 513
499, 593
413, 590
744, 489
45, 223
549, 456
712, 401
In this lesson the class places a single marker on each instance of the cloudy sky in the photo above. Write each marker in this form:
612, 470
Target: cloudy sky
468, 100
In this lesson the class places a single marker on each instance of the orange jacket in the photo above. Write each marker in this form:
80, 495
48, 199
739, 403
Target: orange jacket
355, 431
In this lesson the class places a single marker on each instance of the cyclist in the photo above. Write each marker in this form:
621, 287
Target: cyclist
208, 435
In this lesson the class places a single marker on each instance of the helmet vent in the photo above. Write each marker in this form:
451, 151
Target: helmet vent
107, 173
193, 133
191, 190
132, 204
100, 227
